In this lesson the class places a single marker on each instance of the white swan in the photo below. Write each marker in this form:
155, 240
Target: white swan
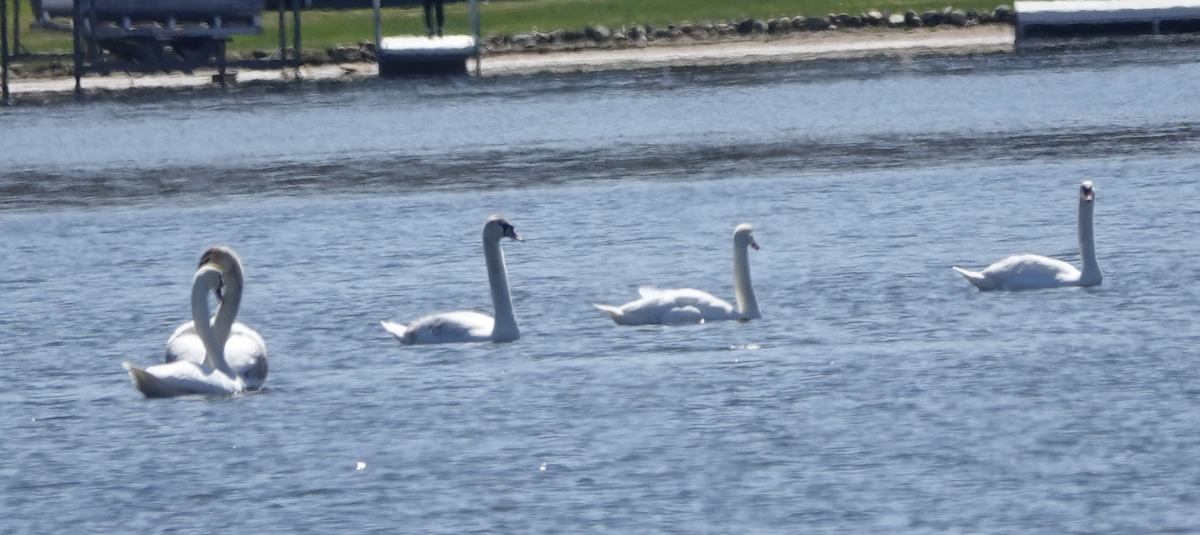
688, 305
213, 375
1032, 272
468, 326
245, 350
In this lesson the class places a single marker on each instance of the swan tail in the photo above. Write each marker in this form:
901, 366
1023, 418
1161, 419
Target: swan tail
149, 385
397, 330
974, 277
613, 312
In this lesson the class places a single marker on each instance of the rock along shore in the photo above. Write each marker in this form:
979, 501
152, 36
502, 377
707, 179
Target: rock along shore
638, 36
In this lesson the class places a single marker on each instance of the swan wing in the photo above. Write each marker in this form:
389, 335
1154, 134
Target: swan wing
245, 351
396, 329
246, 354
185, 344
649, 292
181, 378
449, 327
686, 305
1030, 272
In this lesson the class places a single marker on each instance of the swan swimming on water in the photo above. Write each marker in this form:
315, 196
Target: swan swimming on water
217, 357
688, 305
245, 350
1033, 272
469, 326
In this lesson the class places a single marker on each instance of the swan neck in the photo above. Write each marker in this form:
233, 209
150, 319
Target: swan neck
746, 300
505, 327
214, 347
231, 301
1090, 274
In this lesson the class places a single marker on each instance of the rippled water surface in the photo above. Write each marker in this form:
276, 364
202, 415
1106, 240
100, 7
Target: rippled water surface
880, 393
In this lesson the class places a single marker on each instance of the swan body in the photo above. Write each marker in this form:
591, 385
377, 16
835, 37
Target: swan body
688, 305
1035, 272
469, 326
197, 353
245, 351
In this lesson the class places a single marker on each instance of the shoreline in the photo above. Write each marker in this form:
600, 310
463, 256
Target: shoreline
844, 44
803, 46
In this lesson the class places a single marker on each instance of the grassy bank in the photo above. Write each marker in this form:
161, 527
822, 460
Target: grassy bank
323, 29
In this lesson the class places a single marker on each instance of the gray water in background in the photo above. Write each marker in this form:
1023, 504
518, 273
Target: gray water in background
880, 393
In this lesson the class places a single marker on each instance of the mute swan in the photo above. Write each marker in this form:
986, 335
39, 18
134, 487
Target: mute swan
688, 305
468, 326
213, 375
245, 350
1032, 272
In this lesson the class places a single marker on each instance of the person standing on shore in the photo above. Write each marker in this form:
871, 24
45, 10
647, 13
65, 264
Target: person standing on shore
441, 18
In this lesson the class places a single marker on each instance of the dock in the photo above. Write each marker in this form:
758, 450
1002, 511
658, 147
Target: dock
1084, 18
408, 54
420, 55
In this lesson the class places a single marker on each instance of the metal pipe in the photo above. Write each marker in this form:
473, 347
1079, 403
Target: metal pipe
282, 38
474, 6
77, 37
296, 34
16, 48
4, 50
221, 62
378, 26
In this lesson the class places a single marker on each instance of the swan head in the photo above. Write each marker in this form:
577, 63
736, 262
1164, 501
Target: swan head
743, 236
497, 227
225, 261
1087, 192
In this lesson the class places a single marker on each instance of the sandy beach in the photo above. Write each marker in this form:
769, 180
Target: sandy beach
793, 47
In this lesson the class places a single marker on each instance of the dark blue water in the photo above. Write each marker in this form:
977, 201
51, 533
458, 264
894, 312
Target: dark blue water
881, 393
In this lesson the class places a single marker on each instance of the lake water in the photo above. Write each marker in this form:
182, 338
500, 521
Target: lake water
880, 393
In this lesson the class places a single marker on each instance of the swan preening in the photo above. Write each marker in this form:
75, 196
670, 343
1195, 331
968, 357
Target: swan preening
469, 326
217, 357
688, 305
1032, 272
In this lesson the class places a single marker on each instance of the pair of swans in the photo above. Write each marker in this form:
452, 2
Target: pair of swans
1035, 272
217, 357
655, 307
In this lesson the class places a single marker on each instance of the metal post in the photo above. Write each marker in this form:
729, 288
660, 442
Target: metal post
77, 37
4, 50
475, 30
282, 38
296, 4
1020, 33
378, 28
221, 61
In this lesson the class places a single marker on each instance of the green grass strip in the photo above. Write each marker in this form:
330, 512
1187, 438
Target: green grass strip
322, 29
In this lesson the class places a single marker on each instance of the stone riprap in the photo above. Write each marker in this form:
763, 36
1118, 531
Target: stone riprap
643, 34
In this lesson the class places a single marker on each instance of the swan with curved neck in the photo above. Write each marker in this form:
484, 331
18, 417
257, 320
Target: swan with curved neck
688, 305
210, 373
1034, 272
245, 350
469, 326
